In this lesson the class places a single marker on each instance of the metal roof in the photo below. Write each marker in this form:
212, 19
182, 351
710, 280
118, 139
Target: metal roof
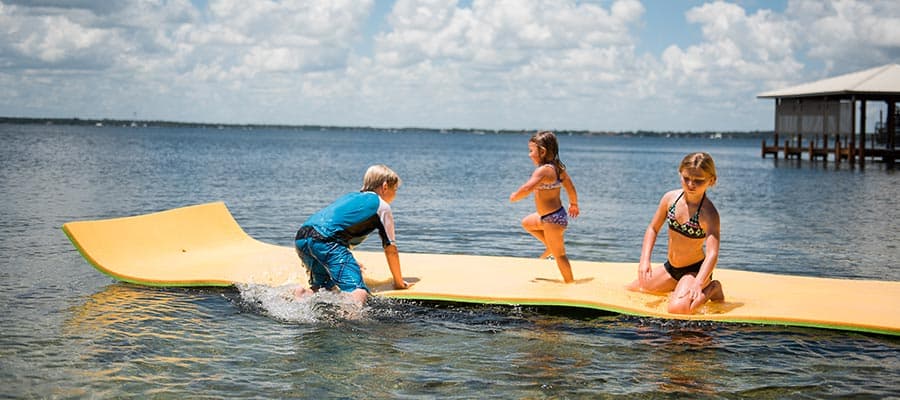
883, 81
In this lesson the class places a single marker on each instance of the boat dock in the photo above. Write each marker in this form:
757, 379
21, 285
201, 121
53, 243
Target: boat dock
829, 110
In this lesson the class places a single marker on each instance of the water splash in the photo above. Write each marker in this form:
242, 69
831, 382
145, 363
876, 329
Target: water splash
282, 304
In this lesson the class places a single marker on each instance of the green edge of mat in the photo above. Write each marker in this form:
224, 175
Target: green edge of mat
622, 311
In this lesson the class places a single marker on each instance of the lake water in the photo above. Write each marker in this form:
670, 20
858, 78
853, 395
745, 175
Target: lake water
69, 331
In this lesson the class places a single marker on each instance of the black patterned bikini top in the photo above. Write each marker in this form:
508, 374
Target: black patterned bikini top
691, 228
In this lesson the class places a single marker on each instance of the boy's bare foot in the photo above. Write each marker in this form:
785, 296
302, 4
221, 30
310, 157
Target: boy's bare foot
302, 292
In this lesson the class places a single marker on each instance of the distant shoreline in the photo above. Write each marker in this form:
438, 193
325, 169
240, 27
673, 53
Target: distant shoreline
105, 122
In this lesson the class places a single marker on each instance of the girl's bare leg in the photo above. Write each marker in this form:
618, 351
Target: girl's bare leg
533, 225
680, 303
660, 282
714, 291
553, 234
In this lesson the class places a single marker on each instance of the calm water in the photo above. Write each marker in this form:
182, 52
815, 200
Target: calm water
68, 331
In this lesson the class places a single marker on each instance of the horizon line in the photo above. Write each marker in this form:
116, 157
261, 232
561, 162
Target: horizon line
170, 123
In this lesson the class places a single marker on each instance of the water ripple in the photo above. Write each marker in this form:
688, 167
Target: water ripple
68, 331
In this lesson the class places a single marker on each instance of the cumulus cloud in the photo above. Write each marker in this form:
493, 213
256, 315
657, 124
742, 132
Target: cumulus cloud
538, 57
246, 41
859, 34
738, 51
518, 64
289, 35
741, 49
501, 33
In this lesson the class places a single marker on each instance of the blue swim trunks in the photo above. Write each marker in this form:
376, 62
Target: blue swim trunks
330, 264
558, 217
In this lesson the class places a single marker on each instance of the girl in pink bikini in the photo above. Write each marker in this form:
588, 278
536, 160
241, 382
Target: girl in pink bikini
549, 223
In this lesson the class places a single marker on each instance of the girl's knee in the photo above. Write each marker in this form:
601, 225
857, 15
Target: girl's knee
530, 222
680, 302
679, 306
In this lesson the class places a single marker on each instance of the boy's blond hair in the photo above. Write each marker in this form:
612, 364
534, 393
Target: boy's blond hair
377, 175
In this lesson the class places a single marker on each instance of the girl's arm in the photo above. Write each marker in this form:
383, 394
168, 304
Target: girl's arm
712, 247
536, 177
573, 195
695, 289
650, 235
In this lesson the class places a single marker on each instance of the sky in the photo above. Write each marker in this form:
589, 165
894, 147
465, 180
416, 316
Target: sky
603, 65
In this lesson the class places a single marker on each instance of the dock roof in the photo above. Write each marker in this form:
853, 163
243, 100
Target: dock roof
879, 82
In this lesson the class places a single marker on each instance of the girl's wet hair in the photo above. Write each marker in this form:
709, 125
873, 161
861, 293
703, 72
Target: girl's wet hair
701, 161
377, 175
546, 140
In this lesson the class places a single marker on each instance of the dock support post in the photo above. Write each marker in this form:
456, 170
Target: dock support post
837, 149
770, 149
892, 132
812, 148
862, 135
851, 148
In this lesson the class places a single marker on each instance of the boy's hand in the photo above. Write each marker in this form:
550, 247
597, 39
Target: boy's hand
402, 285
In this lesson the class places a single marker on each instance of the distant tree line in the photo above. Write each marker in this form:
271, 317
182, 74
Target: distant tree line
176, 124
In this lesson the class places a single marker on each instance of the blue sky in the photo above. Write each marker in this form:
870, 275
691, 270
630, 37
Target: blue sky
603, 65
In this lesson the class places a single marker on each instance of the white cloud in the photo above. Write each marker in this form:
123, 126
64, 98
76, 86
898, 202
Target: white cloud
518, 54
518, 64
45, 39
247, 39
738, 50
750, 53
848, 35
59, 39
500, 33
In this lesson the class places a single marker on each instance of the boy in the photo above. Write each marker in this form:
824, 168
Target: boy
324, 241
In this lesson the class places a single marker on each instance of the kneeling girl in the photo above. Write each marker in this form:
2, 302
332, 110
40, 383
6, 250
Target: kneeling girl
693, 222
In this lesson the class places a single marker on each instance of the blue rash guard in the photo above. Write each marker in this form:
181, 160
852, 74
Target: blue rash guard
351, 218
324, 240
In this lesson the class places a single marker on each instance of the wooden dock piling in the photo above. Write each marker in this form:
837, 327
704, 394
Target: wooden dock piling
816, 148
770, 149
816, 152
793, 151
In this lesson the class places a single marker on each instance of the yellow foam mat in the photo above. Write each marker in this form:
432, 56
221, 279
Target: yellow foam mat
203, 245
